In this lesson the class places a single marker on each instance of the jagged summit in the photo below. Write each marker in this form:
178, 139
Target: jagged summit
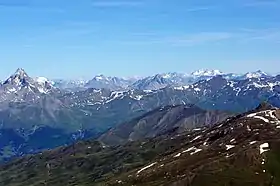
21, 87
101, 81
206, 72
256, 74
20, 77
20, 72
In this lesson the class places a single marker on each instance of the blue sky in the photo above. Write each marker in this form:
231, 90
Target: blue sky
72, 39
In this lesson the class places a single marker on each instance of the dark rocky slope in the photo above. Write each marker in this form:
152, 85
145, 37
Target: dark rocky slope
164, 120
242, 150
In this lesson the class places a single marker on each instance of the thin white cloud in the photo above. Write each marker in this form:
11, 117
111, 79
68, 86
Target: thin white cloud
185, 40
242, 35
117, 3
271, 35
198, 9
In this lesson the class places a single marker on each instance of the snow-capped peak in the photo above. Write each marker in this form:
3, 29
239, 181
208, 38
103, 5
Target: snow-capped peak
41, 80
20, 72
171, 75
257, 74
166, 76
100, 77
20, 84
18, 78
206, 73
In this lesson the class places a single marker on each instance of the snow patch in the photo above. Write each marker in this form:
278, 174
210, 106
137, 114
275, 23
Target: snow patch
115, 95
251, 115
227, 156
189, 149
196, 151
144, 168
166, 76
177, 155
197, 137
229, 146
248, 128
41, 80
261, 118
197, 89
252, 142
41, 90
263, 147
148, 91
137, 97
181, 88
12, 90
197, 129
207, 73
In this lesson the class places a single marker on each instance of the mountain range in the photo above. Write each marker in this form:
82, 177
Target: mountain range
32, 109
154, 82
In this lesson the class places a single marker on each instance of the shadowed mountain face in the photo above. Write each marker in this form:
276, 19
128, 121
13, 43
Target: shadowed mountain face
242, 150
161, 121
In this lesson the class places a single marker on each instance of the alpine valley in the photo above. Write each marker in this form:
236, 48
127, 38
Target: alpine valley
37, 113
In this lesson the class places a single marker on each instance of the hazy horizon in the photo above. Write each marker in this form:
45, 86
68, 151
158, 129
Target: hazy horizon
135, 76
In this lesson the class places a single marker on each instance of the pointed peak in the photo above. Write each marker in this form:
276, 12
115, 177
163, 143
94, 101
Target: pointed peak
20, 72
19, 77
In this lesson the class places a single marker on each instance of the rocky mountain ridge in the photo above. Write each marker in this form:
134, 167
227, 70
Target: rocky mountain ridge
153, 82
176, 119
36, 108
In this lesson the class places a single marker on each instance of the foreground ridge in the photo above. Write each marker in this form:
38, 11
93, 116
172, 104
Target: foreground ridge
204, 156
